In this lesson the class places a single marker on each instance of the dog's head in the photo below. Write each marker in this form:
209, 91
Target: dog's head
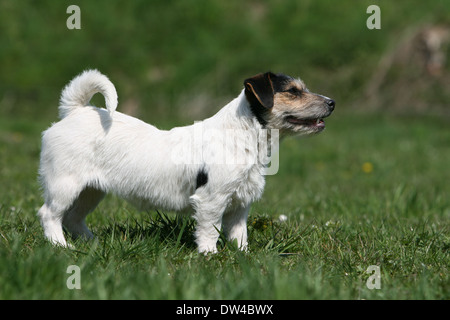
284, 103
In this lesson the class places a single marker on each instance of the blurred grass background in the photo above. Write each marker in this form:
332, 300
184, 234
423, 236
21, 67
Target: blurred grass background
180, 60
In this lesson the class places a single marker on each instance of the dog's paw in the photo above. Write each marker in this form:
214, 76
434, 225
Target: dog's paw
207, 249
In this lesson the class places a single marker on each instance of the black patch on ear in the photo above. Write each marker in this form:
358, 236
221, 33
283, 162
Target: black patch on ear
259, 94
260, 90
202, 178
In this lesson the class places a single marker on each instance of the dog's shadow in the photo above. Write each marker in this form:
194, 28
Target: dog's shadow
105, 119
159, 229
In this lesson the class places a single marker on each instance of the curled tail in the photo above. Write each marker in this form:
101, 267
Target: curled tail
80, 90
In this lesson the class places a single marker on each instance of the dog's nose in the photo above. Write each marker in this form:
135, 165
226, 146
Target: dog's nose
331, 104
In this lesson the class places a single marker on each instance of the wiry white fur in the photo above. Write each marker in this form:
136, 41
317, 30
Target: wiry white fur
81, 89
93, 151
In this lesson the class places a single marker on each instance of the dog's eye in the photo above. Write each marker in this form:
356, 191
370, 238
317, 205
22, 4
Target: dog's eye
294, 91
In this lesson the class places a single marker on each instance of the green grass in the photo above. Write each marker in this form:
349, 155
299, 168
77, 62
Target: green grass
341, 220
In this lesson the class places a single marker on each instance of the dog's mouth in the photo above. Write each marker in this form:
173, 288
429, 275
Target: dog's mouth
315, 123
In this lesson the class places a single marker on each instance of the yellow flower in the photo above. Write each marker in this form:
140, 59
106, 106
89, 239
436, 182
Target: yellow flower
367, 167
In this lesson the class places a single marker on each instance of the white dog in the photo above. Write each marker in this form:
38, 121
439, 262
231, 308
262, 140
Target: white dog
93, 151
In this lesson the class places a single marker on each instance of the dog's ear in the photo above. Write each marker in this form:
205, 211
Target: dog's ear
259, 90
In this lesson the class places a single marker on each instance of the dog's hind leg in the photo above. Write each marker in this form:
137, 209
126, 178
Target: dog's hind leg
60, 200
51, 220
74, 218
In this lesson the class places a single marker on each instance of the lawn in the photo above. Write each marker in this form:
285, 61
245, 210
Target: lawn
369, 191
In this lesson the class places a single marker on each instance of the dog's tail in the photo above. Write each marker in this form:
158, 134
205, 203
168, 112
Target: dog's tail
80, 90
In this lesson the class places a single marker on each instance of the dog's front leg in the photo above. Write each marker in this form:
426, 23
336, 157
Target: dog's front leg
235, 225
208, 214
